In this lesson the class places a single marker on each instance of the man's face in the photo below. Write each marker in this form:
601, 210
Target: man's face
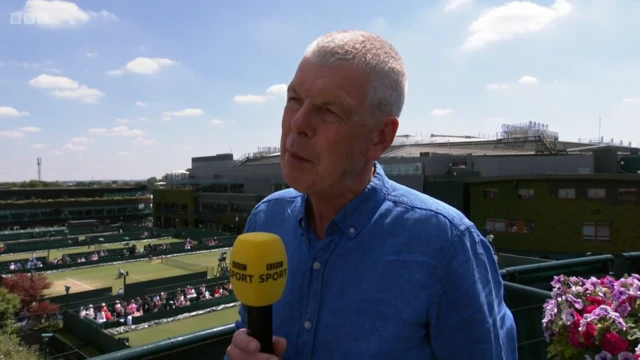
327, 131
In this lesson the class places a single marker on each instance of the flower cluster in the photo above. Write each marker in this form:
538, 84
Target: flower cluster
593, 319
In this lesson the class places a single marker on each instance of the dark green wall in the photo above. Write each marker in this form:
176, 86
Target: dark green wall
176, 196
558, 223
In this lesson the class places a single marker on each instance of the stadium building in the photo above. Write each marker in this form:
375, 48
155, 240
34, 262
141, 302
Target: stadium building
220, 192
38, 207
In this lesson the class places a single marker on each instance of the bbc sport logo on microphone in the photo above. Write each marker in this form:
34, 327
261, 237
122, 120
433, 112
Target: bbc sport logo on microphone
29, 18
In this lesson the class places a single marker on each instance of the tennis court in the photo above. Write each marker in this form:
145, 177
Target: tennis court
56, 253
182, 327
106, 275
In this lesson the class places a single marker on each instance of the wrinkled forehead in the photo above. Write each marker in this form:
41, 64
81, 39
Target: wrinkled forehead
340, 82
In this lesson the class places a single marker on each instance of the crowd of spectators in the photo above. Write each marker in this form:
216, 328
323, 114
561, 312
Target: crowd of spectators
164, 301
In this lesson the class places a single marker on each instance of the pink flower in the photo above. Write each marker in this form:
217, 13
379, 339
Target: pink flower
613, 343
589, 334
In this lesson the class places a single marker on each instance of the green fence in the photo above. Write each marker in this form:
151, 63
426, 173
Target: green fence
197, 234
510, 260
133, 290
183, 284
80, 296
89, 333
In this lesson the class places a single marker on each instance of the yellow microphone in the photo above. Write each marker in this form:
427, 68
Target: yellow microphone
258, 275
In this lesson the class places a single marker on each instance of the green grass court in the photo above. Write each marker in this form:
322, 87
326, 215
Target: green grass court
106, 275
182, 327
58, 252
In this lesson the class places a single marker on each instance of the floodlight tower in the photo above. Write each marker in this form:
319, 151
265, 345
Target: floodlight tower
39, 169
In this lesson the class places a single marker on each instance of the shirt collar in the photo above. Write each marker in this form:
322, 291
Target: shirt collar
357, 214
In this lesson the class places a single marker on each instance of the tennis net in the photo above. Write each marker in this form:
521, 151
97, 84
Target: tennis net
184, 265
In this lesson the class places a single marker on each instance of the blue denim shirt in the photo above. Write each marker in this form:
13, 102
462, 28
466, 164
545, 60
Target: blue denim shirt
399, 275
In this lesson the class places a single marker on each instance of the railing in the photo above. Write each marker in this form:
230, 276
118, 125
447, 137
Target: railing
525, 303
221, 336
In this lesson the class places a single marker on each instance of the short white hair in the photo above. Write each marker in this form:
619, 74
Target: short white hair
375, 56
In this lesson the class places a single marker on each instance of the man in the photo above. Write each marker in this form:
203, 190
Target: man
376, 270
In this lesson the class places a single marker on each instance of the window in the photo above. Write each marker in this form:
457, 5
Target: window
519, 227
566, 193
525, 193
490, 193
598, 194
596, 231
628, 194
496, 225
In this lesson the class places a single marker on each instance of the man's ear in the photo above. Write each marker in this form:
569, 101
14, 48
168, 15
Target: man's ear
383, 136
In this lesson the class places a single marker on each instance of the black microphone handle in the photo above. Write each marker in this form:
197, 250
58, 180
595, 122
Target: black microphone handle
260, 326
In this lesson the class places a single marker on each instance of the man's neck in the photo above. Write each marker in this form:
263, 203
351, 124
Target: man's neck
322, 208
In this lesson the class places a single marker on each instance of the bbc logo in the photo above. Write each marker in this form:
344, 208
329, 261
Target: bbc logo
20, 18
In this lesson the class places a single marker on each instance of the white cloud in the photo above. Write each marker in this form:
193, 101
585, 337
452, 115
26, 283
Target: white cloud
188, 112
37, 146
220, 122
122, 120
144, 65
442, 112
124, 131
92, 54
140, 141
81, 140
66, 88
250, 99
124, 153
82, 93
45, 81
632, 100
8, 111
55, 152
144, 119
27, 65
116, 131
513, 19
140, 103
72, 147
11, 134
494, 87
454, 5
29, 129
278, 90
62, 14
528, 80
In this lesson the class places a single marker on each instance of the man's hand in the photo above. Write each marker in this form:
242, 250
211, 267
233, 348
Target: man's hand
244, 347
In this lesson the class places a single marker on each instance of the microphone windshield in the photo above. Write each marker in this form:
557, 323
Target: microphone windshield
258, 268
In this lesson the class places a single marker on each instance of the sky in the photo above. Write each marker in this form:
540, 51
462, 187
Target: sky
121, 89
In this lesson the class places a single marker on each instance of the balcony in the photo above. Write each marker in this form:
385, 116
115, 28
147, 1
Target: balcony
526, 287
72, 202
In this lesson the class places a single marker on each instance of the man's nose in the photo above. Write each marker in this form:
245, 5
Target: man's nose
302, 122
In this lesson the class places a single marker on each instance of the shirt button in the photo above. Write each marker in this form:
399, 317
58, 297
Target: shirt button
307, 325
352, 230
316, 265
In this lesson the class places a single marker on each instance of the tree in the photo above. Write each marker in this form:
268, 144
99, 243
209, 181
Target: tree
30, 287
10, 346
42, 309
9, 306
12, 349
